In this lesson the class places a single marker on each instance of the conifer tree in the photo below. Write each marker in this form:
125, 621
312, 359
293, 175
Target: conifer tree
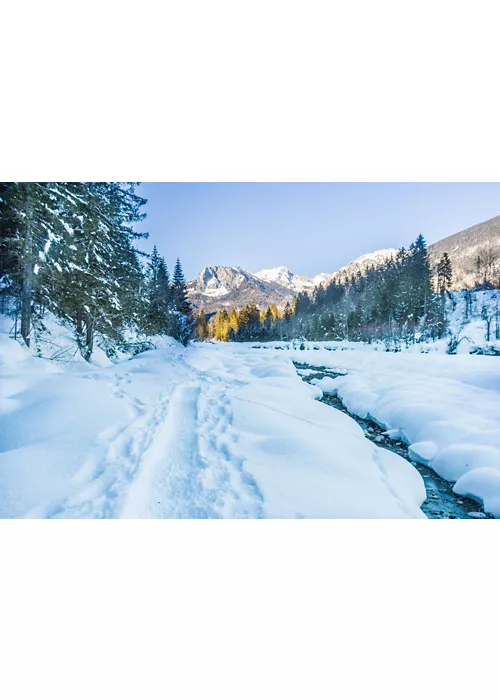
72, 244
233, 324
444, 274
222, 328
181, 300
183, 322
202, 330
98, 264
158, 310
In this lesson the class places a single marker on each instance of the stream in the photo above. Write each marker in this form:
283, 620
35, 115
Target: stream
441, 501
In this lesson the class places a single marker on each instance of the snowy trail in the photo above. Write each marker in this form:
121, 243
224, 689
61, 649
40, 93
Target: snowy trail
213, 485
172, 461
164, 487
214, 431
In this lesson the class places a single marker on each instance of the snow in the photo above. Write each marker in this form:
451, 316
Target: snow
211, 431
299, 283
368, 259
216, 291
446, 408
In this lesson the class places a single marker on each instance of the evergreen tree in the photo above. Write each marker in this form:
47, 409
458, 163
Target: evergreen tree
71, 246
222, 326
158, 310
183, 322
444, 274
233, 324
181, 300
99, 272
202, 330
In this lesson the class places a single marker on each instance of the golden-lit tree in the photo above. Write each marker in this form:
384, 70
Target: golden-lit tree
201, 328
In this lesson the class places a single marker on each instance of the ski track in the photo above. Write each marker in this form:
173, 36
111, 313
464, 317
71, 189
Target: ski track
171, 461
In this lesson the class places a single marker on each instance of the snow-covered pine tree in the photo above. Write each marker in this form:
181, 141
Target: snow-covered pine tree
72, 244
101, 274
34, 216
158, 316
181, 300
182, 322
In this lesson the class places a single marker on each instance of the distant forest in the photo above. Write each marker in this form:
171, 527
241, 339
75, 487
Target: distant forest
401, 301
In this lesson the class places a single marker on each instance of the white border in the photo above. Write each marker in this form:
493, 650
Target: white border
249, 91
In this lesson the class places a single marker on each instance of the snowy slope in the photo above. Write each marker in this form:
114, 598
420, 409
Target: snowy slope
217, 430
364, 262
463, 249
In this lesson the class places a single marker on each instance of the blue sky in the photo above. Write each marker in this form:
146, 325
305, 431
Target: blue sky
309, 227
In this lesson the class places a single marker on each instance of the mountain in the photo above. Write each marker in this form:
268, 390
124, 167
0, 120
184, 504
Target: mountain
464, 247
218, 287
364, 262
297, 283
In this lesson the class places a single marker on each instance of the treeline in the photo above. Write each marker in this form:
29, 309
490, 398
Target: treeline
69, 248
395, 302
247, 324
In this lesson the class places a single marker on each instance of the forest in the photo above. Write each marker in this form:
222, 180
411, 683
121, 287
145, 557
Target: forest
400, 303
69, 248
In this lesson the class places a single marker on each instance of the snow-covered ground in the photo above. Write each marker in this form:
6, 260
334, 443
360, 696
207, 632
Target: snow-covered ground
215, 430
230, 430
445, 407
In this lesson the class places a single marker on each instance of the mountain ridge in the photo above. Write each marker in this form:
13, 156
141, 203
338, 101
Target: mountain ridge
219, 286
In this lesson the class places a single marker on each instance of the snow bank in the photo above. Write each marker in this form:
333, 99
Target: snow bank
446, 408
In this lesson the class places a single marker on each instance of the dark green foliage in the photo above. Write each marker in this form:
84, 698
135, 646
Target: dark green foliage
444, 274
158, 314
180, 295
183, 321
68, 247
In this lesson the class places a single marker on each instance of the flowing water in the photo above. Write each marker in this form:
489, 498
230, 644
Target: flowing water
441, 501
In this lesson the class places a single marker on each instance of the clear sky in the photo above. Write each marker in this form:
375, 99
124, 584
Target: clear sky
308, 227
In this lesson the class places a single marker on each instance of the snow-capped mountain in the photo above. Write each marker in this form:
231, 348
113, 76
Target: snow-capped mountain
218, 287
364, 262
217, 281
298, 283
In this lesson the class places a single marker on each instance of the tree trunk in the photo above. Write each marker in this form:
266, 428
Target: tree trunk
27, 287
89, 338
